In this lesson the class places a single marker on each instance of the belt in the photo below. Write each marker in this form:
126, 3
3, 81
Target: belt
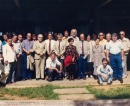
115, 54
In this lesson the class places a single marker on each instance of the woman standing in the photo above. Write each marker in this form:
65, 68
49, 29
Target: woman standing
89, 57
97, 56
70, 61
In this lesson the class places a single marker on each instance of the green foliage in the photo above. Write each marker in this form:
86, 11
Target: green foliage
43, 92
116, 93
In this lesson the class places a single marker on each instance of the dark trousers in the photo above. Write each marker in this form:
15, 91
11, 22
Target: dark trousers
12, 70
81, 67
116, 64
27, 73
89, 68
62, 62
53, 75
19, 67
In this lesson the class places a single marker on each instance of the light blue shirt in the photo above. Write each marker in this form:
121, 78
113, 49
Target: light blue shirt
114, 47
106, 70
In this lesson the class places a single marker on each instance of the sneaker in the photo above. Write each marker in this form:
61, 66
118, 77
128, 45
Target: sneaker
124, 76
91, 76
86, 76
109, 83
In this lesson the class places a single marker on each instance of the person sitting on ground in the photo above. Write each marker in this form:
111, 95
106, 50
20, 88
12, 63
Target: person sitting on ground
104, 72
53, 68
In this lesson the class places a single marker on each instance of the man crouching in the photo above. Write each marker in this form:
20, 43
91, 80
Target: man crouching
53, 69
105, 72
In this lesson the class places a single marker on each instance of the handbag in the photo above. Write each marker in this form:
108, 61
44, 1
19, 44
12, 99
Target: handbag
67, 60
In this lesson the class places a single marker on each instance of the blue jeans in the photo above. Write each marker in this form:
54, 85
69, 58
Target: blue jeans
81, 67
101, 79
116, 64
27, 73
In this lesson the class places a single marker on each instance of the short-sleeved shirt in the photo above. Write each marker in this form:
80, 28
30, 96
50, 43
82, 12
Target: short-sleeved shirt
27, 44
115, 47
52, 64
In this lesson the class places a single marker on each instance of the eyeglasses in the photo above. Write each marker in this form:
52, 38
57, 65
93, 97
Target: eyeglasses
100, 35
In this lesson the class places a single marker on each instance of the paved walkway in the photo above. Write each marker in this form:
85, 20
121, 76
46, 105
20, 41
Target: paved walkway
120, 102
74, 94
64, 83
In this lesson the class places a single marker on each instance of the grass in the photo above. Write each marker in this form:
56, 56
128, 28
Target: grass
113, 93
43, 92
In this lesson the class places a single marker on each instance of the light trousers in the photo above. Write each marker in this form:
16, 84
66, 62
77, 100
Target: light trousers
40, 65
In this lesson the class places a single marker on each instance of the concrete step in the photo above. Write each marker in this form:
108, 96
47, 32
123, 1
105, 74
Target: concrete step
77, 97
71, 91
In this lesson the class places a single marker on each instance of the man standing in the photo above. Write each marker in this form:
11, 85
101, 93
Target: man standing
108, 40
9, 54
20, 39
126, 44
74, 36
66, 36
28, 61
116, 54
60, 49
53, 68
18, 49
39, 57
83, 50
50, 44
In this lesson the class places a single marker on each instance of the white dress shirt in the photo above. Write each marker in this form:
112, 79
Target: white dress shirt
17, 48
52, 44
52, 64
9, 54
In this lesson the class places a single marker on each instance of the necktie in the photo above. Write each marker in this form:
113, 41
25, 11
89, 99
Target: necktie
59, 47
49, 45
82, 47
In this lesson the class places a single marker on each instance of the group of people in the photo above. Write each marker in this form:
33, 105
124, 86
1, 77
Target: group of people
103, 57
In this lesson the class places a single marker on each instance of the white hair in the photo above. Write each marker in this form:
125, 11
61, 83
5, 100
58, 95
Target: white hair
40, 35
108, 34
73, 30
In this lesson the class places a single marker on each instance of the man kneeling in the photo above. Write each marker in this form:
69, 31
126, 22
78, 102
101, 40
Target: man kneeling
104, 72
53, 68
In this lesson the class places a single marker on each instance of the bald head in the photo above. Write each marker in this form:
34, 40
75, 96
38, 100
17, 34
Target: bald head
82, 37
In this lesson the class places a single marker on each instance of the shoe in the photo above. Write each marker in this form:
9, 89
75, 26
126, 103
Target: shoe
91, 76
84, 78
42, 78
124, 76
109, 83
121, 80
37, 78
78, 78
